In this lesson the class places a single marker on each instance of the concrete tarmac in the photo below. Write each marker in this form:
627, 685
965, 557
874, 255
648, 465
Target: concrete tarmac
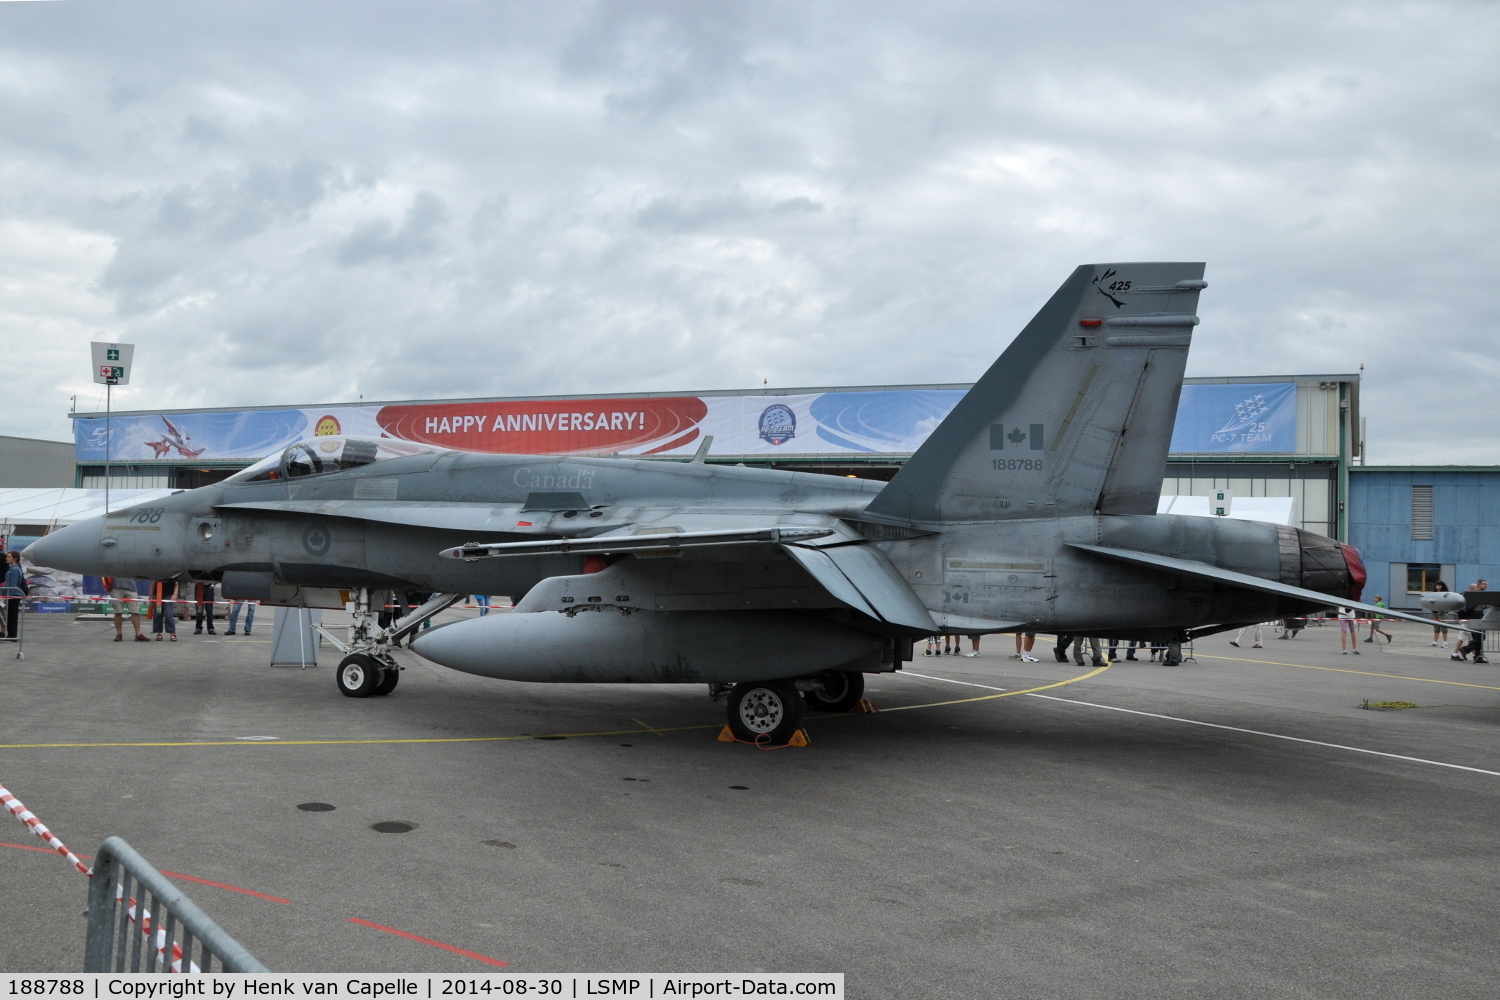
1096, 839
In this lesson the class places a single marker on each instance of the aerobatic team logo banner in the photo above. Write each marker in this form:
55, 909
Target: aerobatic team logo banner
1236, 417
1211, 418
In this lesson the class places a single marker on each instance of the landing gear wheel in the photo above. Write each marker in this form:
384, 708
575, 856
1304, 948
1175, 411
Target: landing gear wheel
767, 712
841, 691
389, 676
357, 676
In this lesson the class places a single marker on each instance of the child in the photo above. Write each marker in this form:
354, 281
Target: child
1375, 621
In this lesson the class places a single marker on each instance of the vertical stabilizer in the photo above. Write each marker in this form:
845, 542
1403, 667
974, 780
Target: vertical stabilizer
1075, 417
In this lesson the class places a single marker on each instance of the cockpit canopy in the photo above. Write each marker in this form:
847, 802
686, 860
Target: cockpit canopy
332, 453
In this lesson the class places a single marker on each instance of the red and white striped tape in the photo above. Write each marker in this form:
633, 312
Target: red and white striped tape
142, 918
157, 940
15, 808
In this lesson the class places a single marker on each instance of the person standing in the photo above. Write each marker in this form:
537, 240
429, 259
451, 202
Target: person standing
203, 593
1464, 644
234, 615
13, 589
975, 640
483, 600
1025, 641
1375, 621
1439, 630
1061, 652
1096, 651
123, 596
164, 608
1348, 636
1238, 635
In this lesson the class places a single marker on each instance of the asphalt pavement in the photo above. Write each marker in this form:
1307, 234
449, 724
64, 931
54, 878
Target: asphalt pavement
1239, 825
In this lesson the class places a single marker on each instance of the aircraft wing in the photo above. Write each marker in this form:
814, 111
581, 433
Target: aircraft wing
1214, 574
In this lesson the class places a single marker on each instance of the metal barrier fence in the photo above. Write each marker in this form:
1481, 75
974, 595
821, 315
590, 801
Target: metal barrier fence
140, 922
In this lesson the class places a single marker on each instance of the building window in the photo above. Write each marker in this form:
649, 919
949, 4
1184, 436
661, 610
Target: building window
1421, 513
1422, 578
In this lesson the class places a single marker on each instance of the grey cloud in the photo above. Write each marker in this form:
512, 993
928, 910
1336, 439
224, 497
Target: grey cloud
705, 195
418, 235
678, 215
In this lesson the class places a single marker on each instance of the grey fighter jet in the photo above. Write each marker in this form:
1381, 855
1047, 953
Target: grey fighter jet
1031, 507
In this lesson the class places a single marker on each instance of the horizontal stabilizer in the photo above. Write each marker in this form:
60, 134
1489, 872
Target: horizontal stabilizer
1215, 574
633, 543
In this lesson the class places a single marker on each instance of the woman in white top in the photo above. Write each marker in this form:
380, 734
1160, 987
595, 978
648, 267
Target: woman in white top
1348, 637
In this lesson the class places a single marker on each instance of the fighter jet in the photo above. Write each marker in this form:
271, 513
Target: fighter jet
172, 439
1032, 506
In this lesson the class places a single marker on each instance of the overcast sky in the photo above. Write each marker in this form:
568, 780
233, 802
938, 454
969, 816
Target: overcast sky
306, 202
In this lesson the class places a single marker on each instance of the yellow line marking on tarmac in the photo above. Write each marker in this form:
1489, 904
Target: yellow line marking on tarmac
1345, 670
638, 722
659, 730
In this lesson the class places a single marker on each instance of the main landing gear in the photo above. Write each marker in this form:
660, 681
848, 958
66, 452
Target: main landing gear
770, 712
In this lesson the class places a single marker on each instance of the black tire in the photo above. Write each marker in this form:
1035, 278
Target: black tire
842, 690
389, 676
766, 712
357, 676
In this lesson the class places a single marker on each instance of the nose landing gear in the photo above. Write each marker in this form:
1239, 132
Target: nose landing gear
368, 668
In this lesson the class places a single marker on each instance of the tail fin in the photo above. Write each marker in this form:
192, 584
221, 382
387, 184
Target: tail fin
1076, 415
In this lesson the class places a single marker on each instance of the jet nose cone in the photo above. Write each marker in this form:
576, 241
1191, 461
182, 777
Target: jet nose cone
76, 548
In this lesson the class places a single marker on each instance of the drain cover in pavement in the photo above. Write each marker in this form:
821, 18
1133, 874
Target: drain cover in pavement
315, 807
498, 843
392, 826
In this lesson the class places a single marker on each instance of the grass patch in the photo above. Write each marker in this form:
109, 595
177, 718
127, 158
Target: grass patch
1389, 706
